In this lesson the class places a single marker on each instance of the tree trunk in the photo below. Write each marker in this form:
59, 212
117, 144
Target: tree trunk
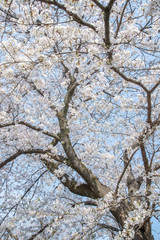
143, 232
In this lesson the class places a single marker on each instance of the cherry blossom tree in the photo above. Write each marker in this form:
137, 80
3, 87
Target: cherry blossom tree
79, 119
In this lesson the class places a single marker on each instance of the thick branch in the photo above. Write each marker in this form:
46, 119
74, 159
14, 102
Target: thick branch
73, 161
149, 108
21, 152
38, 129
120, 21
72, 185
110, 4
144, 158
107, 27
147, 132
78, 166
129, 79
71, 14
6, 125
107, 13
146, 166
99, 5
156, 85
156, 166
68, 98
124, 170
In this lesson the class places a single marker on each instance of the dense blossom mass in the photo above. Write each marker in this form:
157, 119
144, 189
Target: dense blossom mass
79, 119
